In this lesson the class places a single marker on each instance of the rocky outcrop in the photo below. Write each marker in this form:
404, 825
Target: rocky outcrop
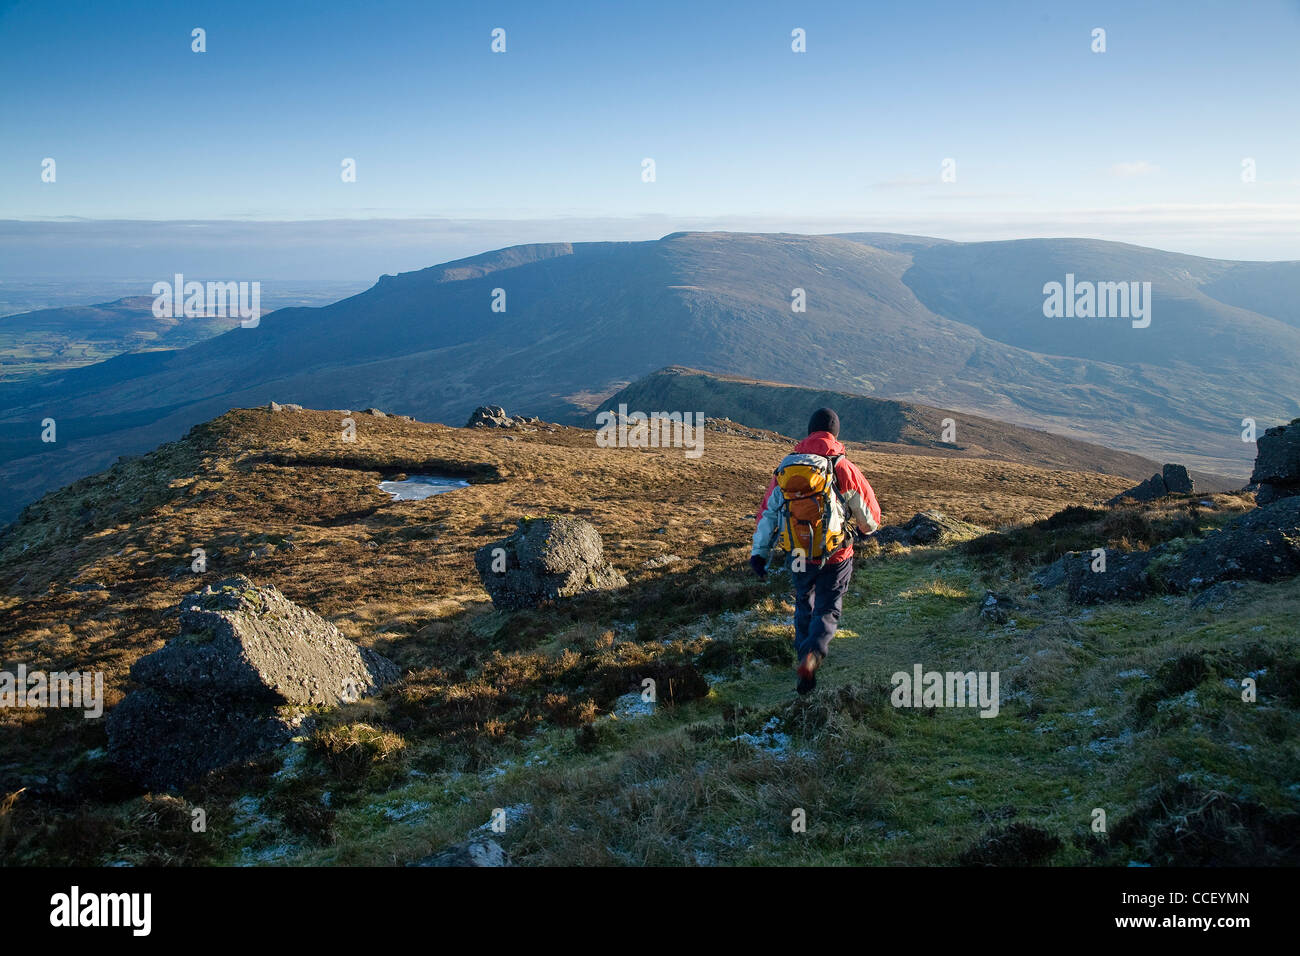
232, 684
1177, 480
1277, 463
1261, 545
929, 527
545, 559
1126, 578
494, 416
1172, 480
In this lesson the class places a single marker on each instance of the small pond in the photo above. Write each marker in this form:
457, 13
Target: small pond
418, 487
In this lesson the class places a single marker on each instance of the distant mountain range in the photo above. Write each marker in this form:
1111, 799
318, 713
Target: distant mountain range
953, 325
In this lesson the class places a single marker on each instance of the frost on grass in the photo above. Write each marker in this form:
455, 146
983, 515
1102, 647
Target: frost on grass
513, 814
406, 810
268, 854
248, 817
768, 740
294, 759
631, 706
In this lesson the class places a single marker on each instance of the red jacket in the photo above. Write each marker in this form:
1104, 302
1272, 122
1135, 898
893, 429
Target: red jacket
855, 489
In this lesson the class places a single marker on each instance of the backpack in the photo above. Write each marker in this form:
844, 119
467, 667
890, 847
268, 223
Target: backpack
812, 519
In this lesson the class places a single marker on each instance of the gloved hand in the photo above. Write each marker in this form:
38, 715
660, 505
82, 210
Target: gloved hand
759, 564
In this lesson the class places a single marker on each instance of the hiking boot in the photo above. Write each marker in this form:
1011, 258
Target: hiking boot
808, 672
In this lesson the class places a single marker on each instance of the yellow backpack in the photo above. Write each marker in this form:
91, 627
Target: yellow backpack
812, 521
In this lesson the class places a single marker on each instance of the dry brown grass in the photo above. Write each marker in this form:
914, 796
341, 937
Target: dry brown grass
92, 571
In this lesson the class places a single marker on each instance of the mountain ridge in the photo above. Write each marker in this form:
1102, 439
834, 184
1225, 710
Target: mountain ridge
584, 319
882, 424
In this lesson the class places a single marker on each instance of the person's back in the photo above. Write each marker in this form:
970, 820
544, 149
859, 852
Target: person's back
820, 579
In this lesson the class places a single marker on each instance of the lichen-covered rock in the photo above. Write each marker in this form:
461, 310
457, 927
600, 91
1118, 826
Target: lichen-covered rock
929, 527
164, 741
1126, 577
1261, 545
490, 416
234, 683
241, 640
545, 559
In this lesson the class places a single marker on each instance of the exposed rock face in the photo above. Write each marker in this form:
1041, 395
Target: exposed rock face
225, 689
1126, 577
1277, 463
1261, 545
929, 527
545, 559
1172, 480
494, 416
277, 407
1056, 573
1177, 480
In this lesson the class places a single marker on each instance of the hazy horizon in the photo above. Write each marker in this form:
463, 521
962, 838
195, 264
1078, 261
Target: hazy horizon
358, 250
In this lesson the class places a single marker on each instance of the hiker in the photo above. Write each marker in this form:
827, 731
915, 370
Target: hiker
815, 496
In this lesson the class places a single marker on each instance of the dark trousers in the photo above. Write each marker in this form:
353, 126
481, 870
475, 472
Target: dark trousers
818, 601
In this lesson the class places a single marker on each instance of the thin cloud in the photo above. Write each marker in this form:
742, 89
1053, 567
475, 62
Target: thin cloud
1132, 170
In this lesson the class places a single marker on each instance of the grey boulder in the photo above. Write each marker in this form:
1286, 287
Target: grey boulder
545, 559
1277, 463
234, 683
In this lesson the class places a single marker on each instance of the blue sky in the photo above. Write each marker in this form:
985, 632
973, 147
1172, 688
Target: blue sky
1142, 143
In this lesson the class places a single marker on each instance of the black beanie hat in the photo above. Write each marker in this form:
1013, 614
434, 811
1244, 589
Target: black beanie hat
824, 420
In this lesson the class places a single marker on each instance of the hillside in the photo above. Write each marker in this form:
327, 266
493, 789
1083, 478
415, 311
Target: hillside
1120, 706
880, 422
952, 325
72, 336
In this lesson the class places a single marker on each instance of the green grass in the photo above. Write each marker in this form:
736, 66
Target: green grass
1185, 771
878, 784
